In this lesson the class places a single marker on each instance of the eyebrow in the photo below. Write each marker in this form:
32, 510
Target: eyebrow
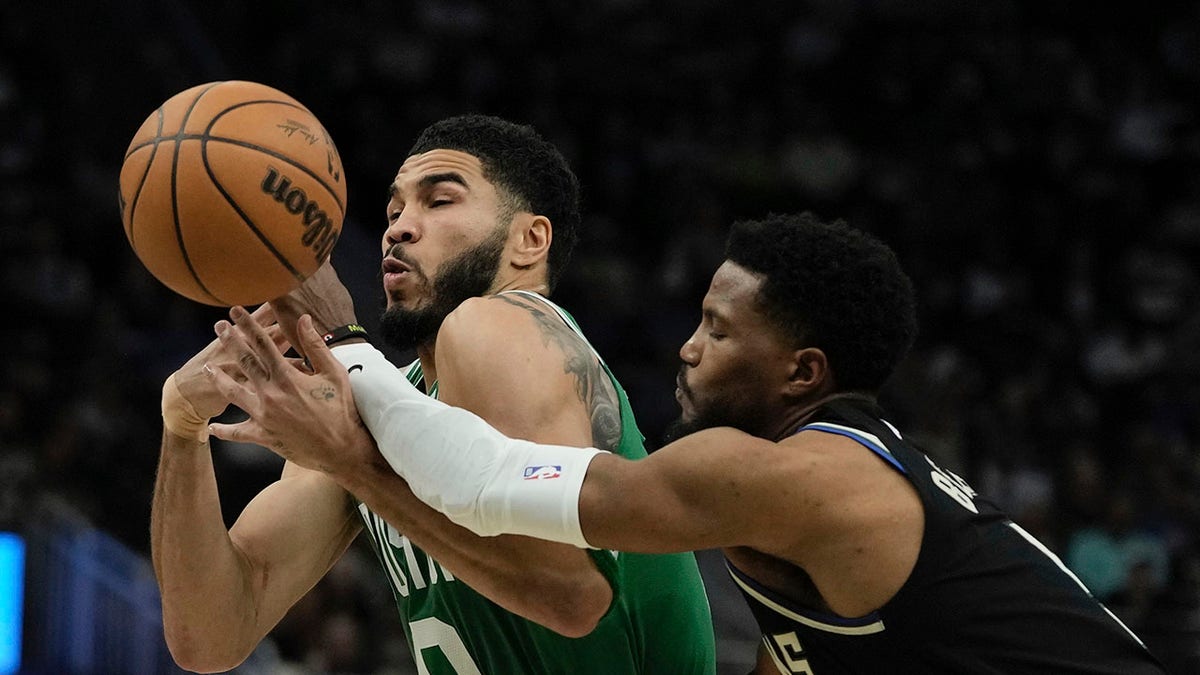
446, 177
431, 180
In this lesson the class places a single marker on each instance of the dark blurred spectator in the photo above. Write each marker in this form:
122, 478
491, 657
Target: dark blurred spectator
1116, 555
1171, 623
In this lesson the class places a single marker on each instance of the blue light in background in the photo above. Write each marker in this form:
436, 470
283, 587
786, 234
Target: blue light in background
12, 586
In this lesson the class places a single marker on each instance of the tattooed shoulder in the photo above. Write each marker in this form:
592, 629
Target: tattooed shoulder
592, 384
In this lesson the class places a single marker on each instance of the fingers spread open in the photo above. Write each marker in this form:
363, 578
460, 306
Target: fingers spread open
300, 365
255, 347
234, 392
278, 337
243, 354
262, 342
264, 315
319, 354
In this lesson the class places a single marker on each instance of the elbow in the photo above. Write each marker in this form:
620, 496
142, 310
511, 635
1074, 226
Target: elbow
576, 626
203, 661
577, 614
203, 656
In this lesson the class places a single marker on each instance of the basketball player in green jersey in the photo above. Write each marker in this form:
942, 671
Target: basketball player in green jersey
481, 218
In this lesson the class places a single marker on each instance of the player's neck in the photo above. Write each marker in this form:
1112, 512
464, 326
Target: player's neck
525, 280
522, 279
799, 414
786, 424
425, 353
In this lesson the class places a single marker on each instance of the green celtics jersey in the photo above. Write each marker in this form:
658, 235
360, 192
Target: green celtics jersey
659, 622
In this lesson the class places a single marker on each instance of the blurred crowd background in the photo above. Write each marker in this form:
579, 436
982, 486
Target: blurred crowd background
1036, 165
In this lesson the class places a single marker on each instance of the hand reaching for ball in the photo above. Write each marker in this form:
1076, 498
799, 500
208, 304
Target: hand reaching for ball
197, 389
306, 416
323, 297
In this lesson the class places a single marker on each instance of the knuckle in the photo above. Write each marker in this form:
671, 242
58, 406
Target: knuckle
248, 362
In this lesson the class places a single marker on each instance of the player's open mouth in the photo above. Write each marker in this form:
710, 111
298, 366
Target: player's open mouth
393, 265
393, 271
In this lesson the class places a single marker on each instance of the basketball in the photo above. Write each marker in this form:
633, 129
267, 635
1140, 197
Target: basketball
232, 193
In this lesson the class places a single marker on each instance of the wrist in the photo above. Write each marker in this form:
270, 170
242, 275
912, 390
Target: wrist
362, 470
180, 416
346, 334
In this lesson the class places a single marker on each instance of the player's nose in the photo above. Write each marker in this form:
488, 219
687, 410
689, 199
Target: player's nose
690, 351
403, 229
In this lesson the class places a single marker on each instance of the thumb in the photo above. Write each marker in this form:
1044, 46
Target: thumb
238, 433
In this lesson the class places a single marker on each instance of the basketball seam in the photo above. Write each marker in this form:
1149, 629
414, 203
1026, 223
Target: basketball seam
137, 194
204, 139
206, 136
175, 195
284, 158
244, 216
291, 161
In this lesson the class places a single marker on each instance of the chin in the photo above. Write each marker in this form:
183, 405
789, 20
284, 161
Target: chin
400, 302
682, 426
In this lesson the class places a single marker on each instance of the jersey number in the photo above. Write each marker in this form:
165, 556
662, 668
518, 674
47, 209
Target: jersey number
791, 654
430, 633
952, 485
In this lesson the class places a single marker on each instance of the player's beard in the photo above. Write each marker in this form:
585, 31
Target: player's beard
718, 410
469, 274
703, 415
680, 427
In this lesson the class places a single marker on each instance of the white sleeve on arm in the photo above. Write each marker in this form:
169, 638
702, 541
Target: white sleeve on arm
458, 464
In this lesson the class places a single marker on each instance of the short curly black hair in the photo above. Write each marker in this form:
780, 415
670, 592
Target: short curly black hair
527, 168
834, 287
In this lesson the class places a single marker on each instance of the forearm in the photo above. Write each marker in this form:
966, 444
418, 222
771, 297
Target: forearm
491, 484
459, 465
207, 609
554, 585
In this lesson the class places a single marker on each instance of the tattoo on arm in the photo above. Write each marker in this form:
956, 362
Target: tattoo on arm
592, 385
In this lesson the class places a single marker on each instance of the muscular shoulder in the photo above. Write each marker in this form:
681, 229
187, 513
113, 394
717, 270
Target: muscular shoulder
852, 494
842, 469
863, 519
515, 362
492, 322
501, 333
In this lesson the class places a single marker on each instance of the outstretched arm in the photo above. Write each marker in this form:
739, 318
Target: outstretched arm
694, 494
703, 491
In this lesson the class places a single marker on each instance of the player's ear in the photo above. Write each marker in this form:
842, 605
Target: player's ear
809, 372
531, 240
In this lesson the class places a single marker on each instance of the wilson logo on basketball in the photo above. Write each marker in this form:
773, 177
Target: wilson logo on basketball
319, 232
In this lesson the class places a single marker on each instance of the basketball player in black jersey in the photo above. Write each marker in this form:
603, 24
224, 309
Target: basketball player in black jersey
856, 552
